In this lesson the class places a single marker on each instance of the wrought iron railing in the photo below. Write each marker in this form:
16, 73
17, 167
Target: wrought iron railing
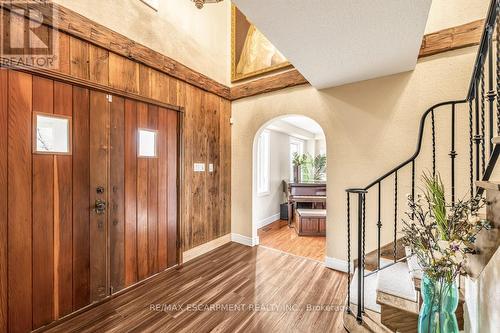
484, 88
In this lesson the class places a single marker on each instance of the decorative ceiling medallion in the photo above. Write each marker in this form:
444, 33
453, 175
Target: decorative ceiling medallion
199, 3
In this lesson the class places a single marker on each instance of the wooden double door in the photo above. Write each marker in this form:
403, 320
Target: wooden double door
78, 226
133, 197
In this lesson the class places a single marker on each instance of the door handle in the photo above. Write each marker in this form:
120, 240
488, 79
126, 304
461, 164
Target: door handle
100, 207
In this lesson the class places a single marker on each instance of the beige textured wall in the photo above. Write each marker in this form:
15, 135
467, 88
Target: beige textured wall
196, 38
369, 127
449, 13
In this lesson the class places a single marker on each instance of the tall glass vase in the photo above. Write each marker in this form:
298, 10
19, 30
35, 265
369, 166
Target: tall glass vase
440, 301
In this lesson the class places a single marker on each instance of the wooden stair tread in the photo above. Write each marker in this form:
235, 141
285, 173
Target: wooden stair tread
488, 185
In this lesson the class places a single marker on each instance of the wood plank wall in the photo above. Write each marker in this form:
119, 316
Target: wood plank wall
207, 133
53, 257
207, 200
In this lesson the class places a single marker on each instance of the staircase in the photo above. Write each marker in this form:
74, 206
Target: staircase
384, 289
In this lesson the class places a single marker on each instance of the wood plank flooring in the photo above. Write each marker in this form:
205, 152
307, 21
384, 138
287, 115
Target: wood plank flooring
231, 289
278, 235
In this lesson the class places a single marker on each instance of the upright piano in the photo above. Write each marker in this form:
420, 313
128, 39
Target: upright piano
305, 195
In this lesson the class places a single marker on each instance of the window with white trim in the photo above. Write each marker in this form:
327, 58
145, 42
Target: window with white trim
296, 146
147, 143
264, 163
52, 134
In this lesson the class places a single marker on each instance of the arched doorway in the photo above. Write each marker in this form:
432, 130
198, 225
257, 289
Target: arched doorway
289, 200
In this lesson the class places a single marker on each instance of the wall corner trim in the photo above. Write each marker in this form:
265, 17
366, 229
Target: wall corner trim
337, 264
244, 240
267, 220
205, 248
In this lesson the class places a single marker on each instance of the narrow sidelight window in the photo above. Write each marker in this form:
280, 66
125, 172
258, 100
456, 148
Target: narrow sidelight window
264, 163
148, 143
52, 134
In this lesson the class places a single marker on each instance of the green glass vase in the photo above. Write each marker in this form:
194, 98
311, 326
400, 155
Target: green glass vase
440, 301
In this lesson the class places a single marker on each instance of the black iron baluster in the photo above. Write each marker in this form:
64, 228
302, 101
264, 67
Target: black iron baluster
471, 151
413, 185
363, 254
359, 315
477, 137
379, 224
348, 252
498, 74
395, 213
491, 96
433, 123
453, 154
483, 123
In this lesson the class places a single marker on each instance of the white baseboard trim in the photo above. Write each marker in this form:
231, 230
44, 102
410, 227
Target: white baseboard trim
205, 248
337, 264
244, 240
267, 220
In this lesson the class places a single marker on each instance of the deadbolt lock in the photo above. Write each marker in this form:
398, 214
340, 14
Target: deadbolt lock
99, 190
100, 207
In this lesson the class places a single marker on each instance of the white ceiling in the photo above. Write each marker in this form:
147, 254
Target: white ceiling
305, 123
334, 42
298, 126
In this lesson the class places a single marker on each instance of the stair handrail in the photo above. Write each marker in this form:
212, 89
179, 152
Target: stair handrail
417, 151
476, 85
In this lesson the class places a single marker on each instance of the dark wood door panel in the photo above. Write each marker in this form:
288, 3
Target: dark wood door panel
81, 197
43, 215
19, 202
63, 210
99, 146
117, 194
4, 118
130, 192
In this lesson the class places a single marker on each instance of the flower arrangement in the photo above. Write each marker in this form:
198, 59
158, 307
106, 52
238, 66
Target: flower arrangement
440, 234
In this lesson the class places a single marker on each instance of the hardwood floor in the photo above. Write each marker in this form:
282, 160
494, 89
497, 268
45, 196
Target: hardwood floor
233, 275
278, 235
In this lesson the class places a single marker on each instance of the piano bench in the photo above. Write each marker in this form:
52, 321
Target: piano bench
310, 222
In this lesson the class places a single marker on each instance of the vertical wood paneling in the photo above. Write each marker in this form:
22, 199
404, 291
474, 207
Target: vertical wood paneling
172, 152
212, 193
145, 81
99, 145
43, 215
64, 62
163, 169
123, 73
4, 109
130, 192
201, 225
117, 197
19, 198
83, 60
79, 58
142, 201
160, 86
81, 198
98, 64
153, 198
63, 207
225, 168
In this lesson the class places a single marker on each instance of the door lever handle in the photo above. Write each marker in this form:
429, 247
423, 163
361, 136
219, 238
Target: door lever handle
100, 207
